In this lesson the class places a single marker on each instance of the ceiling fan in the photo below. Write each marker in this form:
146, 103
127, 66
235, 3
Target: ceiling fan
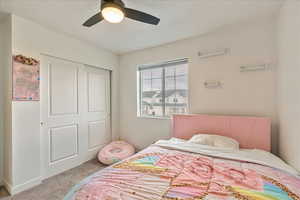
114, 11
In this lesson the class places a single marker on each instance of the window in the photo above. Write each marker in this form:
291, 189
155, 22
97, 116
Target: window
163, 89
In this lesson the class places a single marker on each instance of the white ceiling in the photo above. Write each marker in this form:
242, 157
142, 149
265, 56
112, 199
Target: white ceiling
180, 19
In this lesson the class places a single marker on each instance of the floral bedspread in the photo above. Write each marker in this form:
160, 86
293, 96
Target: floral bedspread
161, 174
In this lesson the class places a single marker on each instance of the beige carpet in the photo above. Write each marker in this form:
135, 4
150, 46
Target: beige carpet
55, 188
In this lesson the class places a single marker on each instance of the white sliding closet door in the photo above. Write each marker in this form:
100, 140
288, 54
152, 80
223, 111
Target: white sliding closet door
75, 113
97, 109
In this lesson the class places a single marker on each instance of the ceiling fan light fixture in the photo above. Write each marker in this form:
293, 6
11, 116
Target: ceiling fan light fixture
112, 13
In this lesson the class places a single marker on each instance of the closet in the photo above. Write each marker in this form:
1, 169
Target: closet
75, 112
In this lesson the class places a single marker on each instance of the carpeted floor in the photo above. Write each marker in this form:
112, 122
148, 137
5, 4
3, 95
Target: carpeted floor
55, 188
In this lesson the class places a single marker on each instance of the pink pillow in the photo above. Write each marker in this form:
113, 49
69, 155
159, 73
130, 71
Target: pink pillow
115, 152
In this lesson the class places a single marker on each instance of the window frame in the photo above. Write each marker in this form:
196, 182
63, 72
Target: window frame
162, 65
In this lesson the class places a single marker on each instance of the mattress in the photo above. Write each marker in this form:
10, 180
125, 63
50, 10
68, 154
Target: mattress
176, 169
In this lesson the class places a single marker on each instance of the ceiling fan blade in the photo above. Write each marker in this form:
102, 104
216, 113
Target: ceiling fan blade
93, 20
141, 16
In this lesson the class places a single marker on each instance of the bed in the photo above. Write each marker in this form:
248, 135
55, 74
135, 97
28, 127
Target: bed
177, 169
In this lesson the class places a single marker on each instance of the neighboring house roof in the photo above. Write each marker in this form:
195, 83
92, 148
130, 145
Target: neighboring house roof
149, 94
170, 104
169, 93
145, 103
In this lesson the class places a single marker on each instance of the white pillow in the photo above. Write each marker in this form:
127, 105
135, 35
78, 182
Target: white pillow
215, 140
177, 140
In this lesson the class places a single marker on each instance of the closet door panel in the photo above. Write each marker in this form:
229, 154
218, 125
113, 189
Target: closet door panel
96, 92
94, 130
62, 114
98, 109
63, 82
64, 142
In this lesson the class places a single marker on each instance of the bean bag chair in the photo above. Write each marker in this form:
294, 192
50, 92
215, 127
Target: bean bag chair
115, 152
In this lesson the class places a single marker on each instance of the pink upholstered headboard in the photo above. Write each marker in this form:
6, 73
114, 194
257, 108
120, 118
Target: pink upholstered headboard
250, 132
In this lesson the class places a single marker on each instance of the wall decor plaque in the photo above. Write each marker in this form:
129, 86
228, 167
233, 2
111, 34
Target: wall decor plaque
26, 79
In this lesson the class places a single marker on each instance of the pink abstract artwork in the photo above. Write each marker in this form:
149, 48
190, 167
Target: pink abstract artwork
26, 79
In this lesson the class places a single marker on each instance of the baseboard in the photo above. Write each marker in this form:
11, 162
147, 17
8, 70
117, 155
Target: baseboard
7, 185
22, 187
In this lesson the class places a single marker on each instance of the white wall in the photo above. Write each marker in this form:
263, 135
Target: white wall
1, 98
32, 40
7, 62
251, 93
288, 82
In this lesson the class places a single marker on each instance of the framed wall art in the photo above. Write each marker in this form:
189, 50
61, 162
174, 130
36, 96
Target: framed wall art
26, 79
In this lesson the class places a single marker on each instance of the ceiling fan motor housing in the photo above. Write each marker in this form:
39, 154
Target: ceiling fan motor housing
112, 3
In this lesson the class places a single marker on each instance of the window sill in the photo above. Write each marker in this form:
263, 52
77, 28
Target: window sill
158, 118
